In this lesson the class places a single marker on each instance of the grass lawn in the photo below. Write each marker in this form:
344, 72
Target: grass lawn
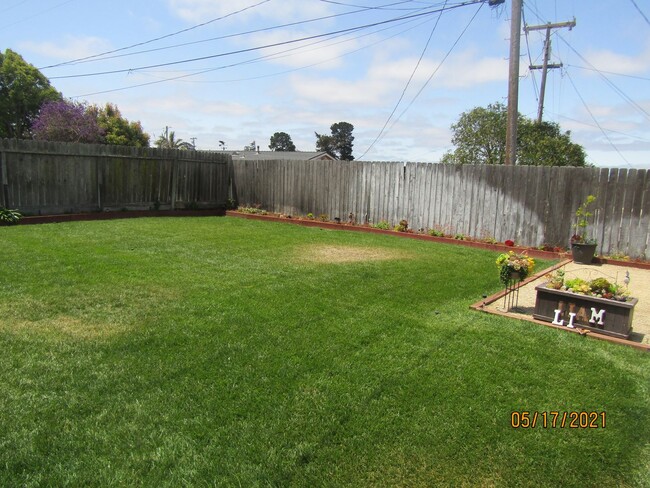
227, 352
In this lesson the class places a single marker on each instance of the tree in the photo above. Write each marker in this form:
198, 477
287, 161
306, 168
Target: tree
281, 141
480, 138
169, 141
67, 121
118, 130
23, 89
339, 143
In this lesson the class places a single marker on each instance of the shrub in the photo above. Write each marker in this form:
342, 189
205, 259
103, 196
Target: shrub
310, 216
9, 217
403, 226
324, 217
436, 233
382, 224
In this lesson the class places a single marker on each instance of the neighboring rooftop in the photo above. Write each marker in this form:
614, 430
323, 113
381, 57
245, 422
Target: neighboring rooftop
269, 155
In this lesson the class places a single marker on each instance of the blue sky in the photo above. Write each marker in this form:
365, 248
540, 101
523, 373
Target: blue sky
240, 91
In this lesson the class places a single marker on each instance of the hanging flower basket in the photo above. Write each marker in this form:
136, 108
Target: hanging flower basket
514, 267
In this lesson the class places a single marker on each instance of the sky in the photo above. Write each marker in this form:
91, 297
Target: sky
402, 72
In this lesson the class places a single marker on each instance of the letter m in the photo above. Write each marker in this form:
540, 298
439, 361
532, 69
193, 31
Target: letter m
597, 316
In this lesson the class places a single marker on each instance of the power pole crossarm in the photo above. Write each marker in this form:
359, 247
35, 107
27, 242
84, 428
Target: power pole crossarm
558, 25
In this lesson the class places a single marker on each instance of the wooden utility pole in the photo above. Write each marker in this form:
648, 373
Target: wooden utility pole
547, 54
513, 83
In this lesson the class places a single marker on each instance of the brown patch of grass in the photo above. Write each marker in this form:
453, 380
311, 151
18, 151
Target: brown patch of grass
63, 327
346, 254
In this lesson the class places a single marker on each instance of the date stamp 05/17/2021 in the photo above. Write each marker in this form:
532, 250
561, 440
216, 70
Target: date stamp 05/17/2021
558, 420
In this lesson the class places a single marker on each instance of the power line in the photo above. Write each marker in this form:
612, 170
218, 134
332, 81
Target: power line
104, 56
642, 14
37, 14
431, 76
254, 60
266, 46
644, 78
581, 122
607, 80
86, 58
408, 83
596, 121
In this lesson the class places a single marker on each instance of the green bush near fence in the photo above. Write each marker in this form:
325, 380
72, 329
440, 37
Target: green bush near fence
229, 352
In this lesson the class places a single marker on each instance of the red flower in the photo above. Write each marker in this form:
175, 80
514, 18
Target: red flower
509, 243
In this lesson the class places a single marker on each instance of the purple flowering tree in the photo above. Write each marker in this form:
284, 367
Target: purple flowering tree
67, 121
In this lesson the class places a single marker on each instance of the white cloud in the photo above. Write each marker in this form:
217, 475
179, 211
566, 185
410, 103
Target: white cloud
70, 47
606, 60
197, 11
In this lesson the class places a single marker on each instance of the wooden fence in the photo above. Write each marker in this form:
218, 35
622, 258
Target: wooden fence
531, 205
53, 178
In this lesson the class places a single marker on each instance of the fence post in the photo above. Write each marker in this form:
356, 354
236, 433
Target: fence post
174, 179
5, 183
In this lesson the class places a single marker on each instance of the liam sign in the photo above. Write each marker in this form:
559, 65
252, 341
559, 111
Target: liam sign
564, 308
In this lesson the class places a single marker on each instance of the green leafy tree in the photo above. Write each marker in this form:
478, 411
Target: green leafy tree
169, 141
339, 143
480, 138
23, 89
118, 130
281, 141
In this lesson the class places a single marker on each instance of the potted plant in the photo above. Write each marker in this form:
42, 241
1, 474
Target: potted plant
583, 244
514, 267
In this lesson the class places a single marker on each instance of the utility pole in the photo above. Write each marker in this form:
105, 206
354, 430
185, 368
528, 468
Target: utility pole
547, 54
513, 83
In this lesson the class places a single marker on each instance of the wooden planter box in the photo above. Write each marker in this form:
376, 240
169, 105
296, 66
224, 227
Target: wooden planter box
601, 315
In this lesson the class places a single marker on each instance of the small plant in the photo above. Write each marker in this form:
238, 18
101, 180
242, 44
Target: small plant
156, 205
310, 216
460, 237
352, 220
510, 263
382, 224
583, 215
403, 226
555, 280
436, 233
252, 210
324, 217
231, 204
9, 217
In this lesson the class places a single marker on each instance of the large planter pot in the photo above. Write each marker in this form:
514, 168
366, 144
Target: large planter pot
583, 253
565, 308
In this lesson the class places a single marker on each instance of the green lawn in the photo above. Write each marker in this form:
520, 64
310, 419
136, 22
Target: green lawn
226, 352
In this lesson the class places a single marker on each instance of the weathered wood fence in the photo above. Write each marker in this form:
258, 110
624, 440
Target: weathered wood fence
52, 178
532, 205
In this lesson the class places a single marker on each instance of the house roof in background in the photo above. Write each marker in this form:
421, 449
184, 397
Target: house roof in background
270, 155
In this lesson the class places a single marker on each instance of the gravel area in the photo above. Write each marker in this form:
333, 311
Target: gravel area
639, 287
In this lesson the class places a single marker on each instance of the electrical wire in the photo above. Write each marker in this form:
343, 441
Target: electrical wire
530, 59
642, 14
251, 61
428, 79
408, 83
644, 78
265, 46
608, 81
596, 121
86, 58
104, 55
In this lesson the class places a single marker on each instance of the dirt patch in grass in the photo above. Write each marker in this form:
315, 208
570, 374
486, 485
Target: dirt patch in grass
63, 327
346, 254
